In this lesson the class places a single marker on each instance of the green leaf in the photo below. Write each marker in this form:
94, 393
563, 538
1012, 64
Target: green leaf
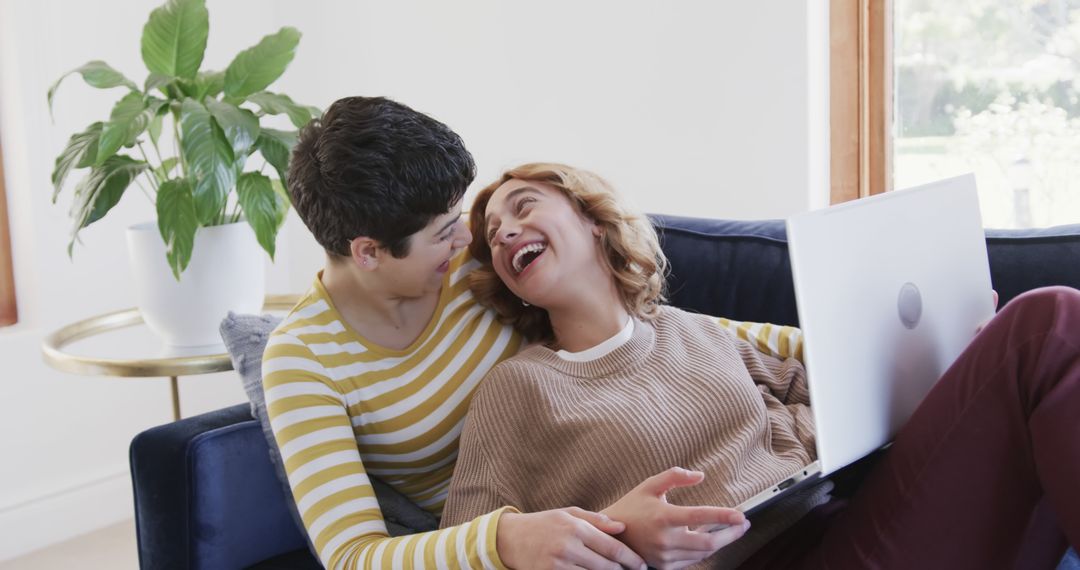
174, 38
240, 125
255, 68
154, 128
80, 152
283, 201
205, 84
156, 81
210, 158
162, 172
126, 122
156, 109
101, 190
276, 147
177, 222
209, 84
241, 159
276, 104
257, 199
97, 74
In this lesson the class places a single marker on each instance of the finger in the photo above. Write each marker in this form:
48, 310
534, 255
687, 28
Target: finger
701, 516
707, 541
609, 548
599, 520
995, 298
724, 537
663, 482
693, 541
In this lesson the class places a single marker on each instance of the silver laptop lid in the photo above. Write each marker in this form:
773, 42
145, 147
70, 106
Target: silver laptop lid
890, 290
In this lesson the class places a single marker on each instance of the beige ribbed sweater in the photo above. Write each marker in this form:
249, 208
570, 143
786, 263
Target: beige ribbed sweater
544, 433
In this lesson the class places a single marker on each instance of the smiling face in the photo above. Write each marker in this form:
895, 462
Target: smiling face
540, 243
566, 260
428, 260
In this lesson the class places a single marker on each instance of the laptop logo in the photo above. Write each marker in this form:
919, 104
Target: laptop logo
910, 305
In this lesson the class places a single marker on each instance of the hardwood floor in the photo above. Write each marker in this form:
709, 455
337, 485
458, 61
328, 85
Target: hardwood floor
112, 547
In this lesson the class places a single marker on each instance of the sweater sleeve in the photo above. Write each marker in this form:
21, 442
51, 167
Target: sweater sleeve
784, 378
474, 488
783, 386
314, 434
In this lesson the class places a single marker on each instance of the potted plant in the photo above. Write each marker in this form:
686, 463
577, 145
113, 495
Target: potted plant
184, 140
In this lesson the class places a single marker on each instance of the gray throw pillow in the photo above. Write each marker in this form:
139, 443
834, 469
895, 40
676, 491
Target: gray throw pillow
245, 338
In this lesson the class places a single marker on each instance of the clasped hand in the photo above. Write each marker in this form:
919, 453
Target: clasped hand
671, 536
649, 529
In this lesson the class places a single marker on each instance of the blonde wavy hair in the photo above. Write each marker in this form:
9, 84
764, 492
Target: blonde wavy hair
631, 250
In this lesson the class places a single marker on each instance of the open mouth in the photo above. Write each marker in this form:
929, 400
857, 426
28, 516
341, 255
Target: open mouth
526, 255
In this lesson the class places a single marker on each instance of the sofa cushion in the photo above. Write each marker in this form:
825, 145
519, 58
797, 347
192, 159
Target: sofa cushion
732, 268
1021, 260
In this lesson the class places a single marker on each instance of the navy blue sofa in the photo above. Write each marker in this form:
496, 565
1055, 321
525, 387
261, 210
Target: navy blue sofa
206, 496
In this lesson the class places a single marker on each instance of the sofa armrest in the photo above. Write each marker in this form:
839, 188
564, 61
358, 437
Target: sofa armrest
206, 495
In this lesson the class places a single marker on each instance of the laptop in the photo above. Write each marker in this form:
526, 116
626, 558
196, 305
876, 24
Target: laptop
890, 290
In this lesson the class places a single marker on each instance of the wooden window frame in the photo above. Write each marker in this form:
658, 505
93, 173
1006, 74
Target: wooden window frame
861, 98
9, 313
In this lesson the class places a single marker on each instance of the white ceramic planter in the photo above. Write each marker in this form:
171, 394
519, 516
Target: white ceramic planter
226, 273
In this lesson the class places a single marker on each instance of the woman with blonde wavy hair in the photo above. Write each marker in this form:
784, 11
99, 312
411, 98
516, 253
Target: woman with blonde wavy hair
629, 250
616, 387
589, 410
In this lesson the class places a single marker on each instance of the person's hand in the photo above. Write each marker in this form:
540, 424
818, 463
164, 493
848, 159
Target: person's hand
671, 536
563, 538
983, 324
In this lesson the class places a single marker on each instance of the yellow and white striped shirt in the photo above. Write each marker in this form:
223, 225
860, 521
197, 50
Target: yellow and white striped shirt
342, 407
779, 341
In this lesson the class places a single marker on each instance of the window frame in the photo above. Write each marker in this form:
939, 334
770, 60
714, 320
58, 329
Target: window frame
9, 313
860, 98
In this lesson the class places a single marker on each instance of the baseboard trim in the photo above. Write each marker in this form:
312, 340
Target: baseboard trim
62, 515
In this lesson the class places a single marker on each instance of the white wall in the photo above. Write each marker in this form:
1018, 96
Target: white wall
694, 108
64, 437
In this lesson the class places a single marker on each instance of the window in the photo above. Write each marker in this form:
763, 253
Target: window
993, 87
940, 89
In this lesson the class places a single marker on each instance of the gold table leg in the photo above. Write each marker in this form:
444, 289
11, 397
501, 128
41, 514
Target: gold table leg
175, 398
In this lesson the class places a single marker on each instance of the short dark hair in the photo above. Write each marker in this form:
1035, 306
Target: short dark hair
374, 167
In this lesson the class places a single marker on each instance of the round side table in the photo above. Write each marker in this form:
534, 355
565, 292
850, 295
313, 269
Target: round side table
134, 351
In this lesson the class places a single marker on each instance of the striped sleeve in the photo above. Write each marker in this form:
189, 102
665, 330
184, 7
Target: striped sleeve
331, 488
774, 340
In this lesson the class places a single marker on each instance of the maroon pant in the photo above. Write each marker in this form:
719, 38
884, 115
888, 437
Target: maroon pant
985, 474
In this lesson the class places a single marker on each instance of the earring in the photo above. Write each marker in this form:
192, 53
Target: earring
524, 304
